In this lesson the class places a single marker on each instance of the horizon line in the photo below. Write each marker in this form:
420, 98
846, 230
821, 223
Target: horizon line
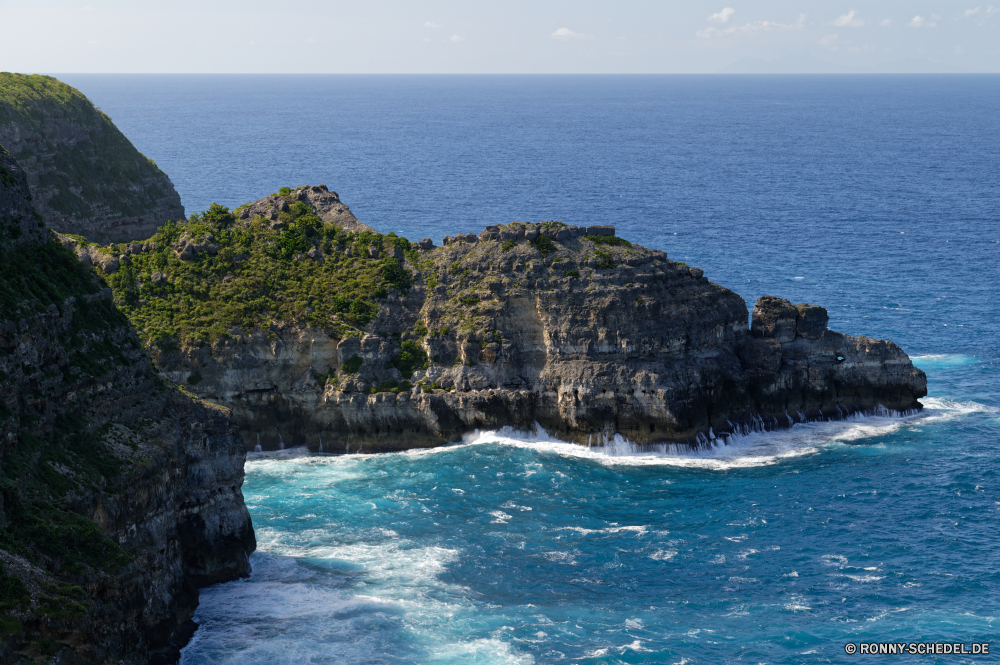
856, 73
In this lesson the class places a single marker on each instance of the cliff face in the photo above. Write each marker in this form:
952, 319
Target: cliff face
119, 496
572, 328
85, 177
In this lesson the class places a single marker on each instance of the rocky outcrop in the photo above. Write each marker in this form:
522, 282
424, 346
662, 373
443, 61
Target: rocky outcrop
85, 177
324, 203
119, 495
569, 327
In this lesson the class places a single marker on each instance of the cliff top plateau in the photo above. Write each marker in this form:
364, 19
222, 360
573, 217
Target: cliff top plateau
85, 177
352, 340
119, 494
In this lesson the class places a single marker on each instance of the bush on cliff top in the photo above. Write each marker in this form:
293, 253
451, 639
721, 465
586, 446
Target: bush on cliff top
258, 275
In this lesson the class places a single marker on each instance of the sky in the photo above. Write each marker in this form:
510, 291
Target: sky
540, 36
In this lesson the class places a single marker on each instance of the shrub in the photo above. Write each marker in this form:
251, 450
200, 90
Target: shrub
412, 356
285, 191
544, 245
194, 378
613, 241
392, 386
12, 592
393, 274
352, 365
573, 274
508, 245
604, 260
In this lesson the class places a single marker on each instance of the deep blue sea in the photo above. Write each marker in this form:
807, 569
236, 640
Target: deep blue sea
877, 197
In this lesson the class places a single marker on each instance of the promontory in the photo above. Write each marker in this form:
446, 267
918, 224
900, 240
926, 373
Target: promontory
314, 329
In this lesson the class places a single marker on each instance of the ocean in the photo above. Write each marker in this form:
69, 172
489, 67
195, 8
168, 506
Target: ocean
877, 197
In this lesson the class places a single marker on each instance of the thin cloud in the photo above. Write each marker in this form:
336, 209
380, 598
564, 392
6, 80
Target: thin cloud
456, 38
723, 16
565, 34
885, 23
750, 28
977, 14
432, 24
849, 20
921, 22
829, 42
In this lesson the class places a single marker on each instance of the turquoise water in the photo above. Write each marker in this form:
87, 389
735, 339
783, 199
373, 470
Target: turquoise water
877, 197
510, 548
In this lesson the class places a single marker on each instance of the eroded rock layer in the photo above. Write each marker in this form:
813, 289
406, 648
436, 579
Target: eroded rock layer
119, 496
568, 327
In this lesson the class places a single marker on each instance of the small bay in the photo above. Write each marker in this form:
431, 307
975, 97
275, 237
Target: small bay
877, 197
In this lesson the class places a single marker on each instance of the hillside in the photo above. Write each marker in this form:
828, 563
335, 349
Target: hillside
85, 177
312, 332
119, 494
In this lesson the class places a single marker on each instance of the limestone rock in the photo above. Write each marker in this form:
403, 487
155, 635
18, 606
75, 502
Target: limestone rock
647, 348
774, 318
811, 322
325, 204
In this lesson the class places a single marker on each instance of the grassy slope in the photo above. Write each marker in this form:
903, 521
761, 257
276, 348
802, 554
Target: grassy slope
258, 277
103, 170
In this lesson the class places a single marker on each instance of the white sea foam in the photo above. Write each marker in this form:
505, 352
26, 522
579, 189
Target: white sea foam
663, 555
943, 360
639, 529
752, 449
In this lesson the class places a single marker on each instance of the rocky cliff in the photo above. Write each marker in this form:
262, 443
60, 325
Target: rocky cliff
119, 495
358, 341
85, 177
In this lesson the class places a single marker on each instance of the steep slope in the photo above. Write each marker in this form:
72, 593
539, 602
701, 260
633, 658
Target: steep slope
85, 176
313, 333
119, 496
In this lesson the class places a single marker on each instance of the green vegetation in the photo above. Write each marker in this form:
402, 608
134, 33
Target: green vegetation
52, 463
257, 275
605, 261
573, 274
352, 365
105, 171
544, 244
47, 275
13, 594
613, 241
391, 386
411, 357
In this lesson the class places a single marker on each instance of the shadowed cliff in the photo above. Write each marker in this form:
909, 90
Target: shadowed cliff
119, 495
